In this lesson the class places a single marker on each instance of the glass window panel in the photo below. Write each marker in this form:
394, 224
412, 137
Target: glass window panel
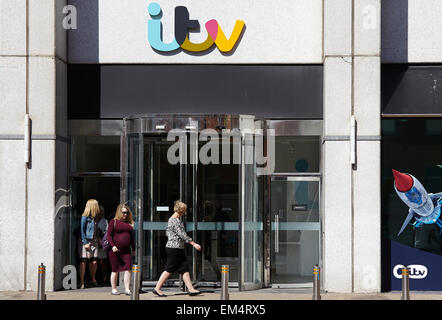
297, 153
95, 154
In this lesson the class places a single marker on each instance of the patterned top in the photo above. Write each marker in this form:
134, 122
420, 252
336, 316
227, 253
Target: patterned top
176, 234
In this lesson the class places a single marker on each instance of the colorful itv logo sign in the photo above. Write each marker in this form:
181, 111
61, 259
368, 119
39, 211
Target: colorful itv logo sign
182, 26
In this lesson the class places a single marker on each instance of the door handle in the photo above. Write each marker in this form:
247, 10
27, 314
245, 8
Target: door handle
276, 233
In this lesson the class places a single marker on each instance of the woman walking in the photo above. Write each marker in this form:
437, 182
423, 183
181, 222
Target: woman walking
89, 241
121, 239
176, 257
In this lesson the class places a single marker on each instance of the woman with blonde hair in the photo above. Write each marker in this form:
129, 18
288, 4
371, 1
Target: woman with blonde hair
176, 257
89, 241
121, 238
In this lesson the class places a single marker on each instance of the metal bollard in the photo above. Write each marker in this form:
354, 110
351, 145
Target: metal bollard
225, 282
316, 283
405, 283
41, 295
135, 283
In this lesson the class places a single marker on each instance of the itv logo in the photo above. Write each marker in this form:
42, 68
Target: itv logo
182, 26
417, 271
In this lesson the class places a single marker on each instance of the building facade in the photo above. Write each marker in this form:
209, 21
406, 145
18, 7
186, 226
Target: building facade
90, 90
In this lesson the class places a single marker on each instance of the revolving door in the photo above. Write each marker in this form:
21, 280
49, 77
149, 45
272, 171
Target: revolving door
208, 162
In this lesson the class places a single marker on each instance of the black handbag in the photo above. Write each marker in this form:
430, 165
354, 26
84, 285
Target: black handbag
105, 244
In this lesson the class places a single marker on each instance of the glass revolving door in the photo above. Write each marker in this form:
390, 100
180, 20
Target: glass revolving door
198, 160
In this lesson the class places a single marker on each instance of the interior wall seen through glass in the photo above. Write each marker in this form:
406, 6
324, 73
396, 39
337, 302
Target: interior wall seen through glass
295, 154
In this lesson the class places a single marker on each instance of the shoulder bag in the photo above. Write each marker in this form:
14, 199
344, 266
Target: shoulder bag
104, 242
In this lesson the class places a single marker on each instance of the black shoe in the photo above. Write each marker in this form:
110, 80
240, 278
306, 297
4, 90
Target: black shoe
158, 294
194, 293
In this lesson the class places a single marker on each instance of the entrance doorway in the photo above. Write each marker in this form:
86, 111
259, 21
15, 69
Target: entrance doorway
212, 220
265, 226
295, 234
167, 160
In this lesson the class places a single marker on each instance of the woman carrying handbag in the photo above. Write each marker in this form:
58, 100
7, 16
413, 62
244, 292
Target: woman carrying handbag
122, 243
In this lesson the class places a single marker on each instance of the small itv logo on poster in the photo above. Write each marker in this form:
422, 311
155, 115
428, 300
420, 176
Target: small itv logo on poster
417, 271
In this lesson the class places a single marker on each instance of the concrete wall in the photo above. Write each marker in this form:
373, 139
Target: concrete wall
30, 65
12, 166
351, 203
276, 31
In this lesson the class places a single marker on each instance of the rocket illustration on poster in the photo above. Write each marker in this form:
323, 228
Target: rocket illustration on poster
425, 207
424, 216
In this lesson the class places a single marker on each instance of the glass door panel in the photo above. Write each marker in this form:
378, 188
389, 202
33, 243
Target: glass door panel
217, 215
162, 188
133, 177
217, 223
251, 219
220, 198
189, 195
295, 228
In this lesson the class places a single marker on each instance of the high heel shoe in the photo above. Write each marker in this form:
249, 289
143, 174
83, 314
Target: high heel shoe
194, 293
158, 294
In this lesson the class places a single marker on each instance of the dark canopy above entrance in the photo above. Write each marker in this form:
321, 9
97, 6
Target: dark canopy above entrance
271, 91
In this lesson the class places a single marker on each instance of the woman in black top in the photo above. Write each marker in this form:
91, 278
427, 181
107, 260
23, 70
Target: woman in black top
176, 258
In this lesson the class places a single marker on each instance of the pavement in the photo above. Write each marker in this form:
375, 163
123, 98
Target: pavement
103, 293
